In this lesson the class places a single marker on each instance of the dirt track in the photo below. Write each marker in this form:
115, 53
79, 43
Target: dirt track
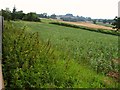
90, 25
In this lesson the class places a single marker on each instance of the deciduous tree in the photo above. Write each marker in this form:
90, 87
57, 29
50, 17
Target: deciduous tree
116, 23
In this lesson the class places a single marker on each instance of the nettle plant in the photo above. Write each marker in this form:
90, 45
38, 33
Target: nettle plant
22, 52
29, 62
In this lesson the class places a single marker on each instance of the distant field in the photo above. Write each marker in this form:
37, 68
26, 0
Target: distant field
86, 24
107, 25
90, 25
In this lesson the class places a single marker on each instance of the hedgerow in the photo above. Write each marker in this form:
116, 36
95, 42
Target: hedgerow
27, 62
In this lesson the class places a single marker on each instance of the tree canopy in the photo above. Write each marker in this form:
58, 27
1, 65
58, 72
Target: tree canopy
6, 14
31, 17
19, 15
116, 23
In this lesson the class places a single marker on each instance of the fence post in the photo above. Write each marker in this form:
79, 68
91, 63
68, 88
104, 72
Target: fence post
1, 77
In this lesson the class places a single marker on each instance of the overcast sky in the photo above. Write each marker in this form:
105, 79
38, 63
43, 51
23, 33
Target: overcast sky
89, 8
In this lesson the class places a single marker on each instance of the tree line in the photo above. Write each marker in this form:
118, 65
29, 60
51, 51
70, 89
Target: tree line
32, 16
19, 15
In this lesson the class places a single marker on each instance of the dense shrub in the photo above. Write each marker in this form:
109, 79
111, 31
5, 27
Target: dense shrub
31, 17
27, 62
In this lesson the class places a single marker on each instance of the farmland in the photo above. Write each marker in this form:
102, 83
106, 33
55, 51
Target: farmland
90, 25
98, 25
82, 45
81, 58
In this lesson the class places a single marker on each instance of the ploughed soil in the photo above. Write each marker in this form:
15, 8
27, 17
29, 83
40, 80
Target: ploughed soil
89, 25
115, 74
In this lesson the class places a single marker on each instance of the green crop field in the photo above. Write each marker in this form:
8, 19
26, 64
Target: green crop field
80, 58
91, 47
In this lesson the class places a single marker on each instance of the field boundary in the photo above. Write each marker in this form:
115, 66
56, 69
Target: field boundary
1, 76
111, 32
